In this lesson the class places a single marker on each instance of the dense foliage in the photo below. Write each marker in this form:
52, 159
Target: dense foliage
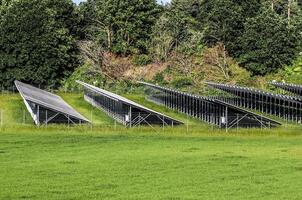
37, 43
223, 21
122, 27
263, 36
179, 28
269, 43
40, 40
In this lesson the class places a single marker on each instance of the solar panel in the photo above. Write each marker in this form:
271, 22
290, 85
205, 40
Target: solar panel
293, 88
208, 109
47, 100
283, 106
254, 91
263, 118
124, 101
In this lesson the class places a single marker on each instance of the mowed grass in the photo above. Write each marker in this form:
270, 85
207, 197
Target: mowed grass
75, 165
12, 110
93, 114
105, 161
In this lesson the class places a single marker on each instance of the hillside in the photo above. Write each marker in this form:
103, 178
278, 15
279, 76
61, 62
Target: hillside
180, 44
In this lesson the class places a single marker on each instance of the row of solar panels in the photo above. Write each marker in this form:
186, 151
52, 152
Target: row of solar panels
46, 107
293, 88
209, 109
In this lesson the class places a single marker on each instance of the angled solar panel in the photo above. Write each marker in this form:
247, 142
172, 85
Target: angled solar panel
238, 90
283, 106
211, 110
46, 107
293, 88
124, 110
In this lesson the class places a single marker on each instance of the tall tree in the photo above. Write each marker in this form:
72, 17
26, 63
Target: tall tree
223, 21
269, 43
121, 26
36, 43
179, 27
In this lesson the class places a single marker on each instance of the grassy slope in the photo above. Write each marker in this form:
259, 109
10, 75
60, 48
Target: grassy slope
93, 114
103, 163
13, 109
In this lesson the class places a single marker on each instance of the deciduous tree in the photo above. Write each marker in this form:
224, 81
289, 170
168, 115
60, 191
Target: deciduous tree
121, 26
36, 43
269, 43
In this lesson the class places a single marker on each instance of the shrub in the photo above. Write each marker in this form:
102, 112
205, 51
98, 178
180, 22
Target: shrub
293, 73
159, 78
182, 82
142, 60
86, 73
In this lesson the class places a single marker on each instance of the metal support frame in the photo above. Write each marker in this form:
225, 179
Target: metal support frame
124, 111
210, 110
282, 106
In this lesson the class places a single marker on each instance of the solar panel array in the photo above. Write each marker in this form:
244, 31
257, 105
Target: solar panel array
293, 88
223, 111
287, 107
208, 109
123, 109
47, 100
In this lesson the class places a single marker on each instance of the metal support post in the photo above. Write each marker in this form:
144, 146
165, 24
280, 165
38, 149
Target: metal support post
130, 116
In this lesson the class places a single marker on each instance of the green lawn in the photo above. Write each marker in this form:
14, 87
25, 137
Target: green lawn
108, 161
76, 165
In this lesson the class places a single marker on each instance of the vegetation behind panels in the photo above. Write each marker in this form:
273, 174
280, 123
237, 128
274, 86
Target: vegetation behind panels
181, 44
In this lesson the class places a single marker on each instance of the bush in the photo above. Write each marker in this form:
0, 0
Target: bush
85, 73
219, 67
159, 78
182, 82
293, 73
142, 60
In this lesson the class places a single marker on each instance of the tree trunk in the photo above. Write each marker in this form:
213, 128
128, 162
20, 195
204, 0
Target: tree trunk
289, 11
109, 37
225, 62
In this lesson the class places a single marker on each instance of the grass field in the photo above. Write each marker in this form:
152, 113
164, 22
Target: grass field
102, 162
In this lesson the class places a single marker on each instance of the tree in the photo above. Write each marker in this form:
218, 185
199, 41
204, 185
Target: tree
219, 67
3, 5
121, 26
37, 44
269, 43
223, 21
178, 28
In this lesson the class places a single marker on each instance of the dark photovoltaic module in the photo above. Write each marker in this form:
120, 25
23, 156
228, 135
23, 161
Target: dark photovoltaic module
124, 110
46, 107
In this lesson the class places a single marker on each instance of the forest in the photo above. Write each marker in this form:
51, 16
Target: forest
113, 43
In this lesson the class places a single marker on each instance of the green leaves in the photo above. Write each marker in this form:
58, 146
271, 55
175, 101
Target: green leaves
37, 44
224, 20
268, 43
178, 29
123, 27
